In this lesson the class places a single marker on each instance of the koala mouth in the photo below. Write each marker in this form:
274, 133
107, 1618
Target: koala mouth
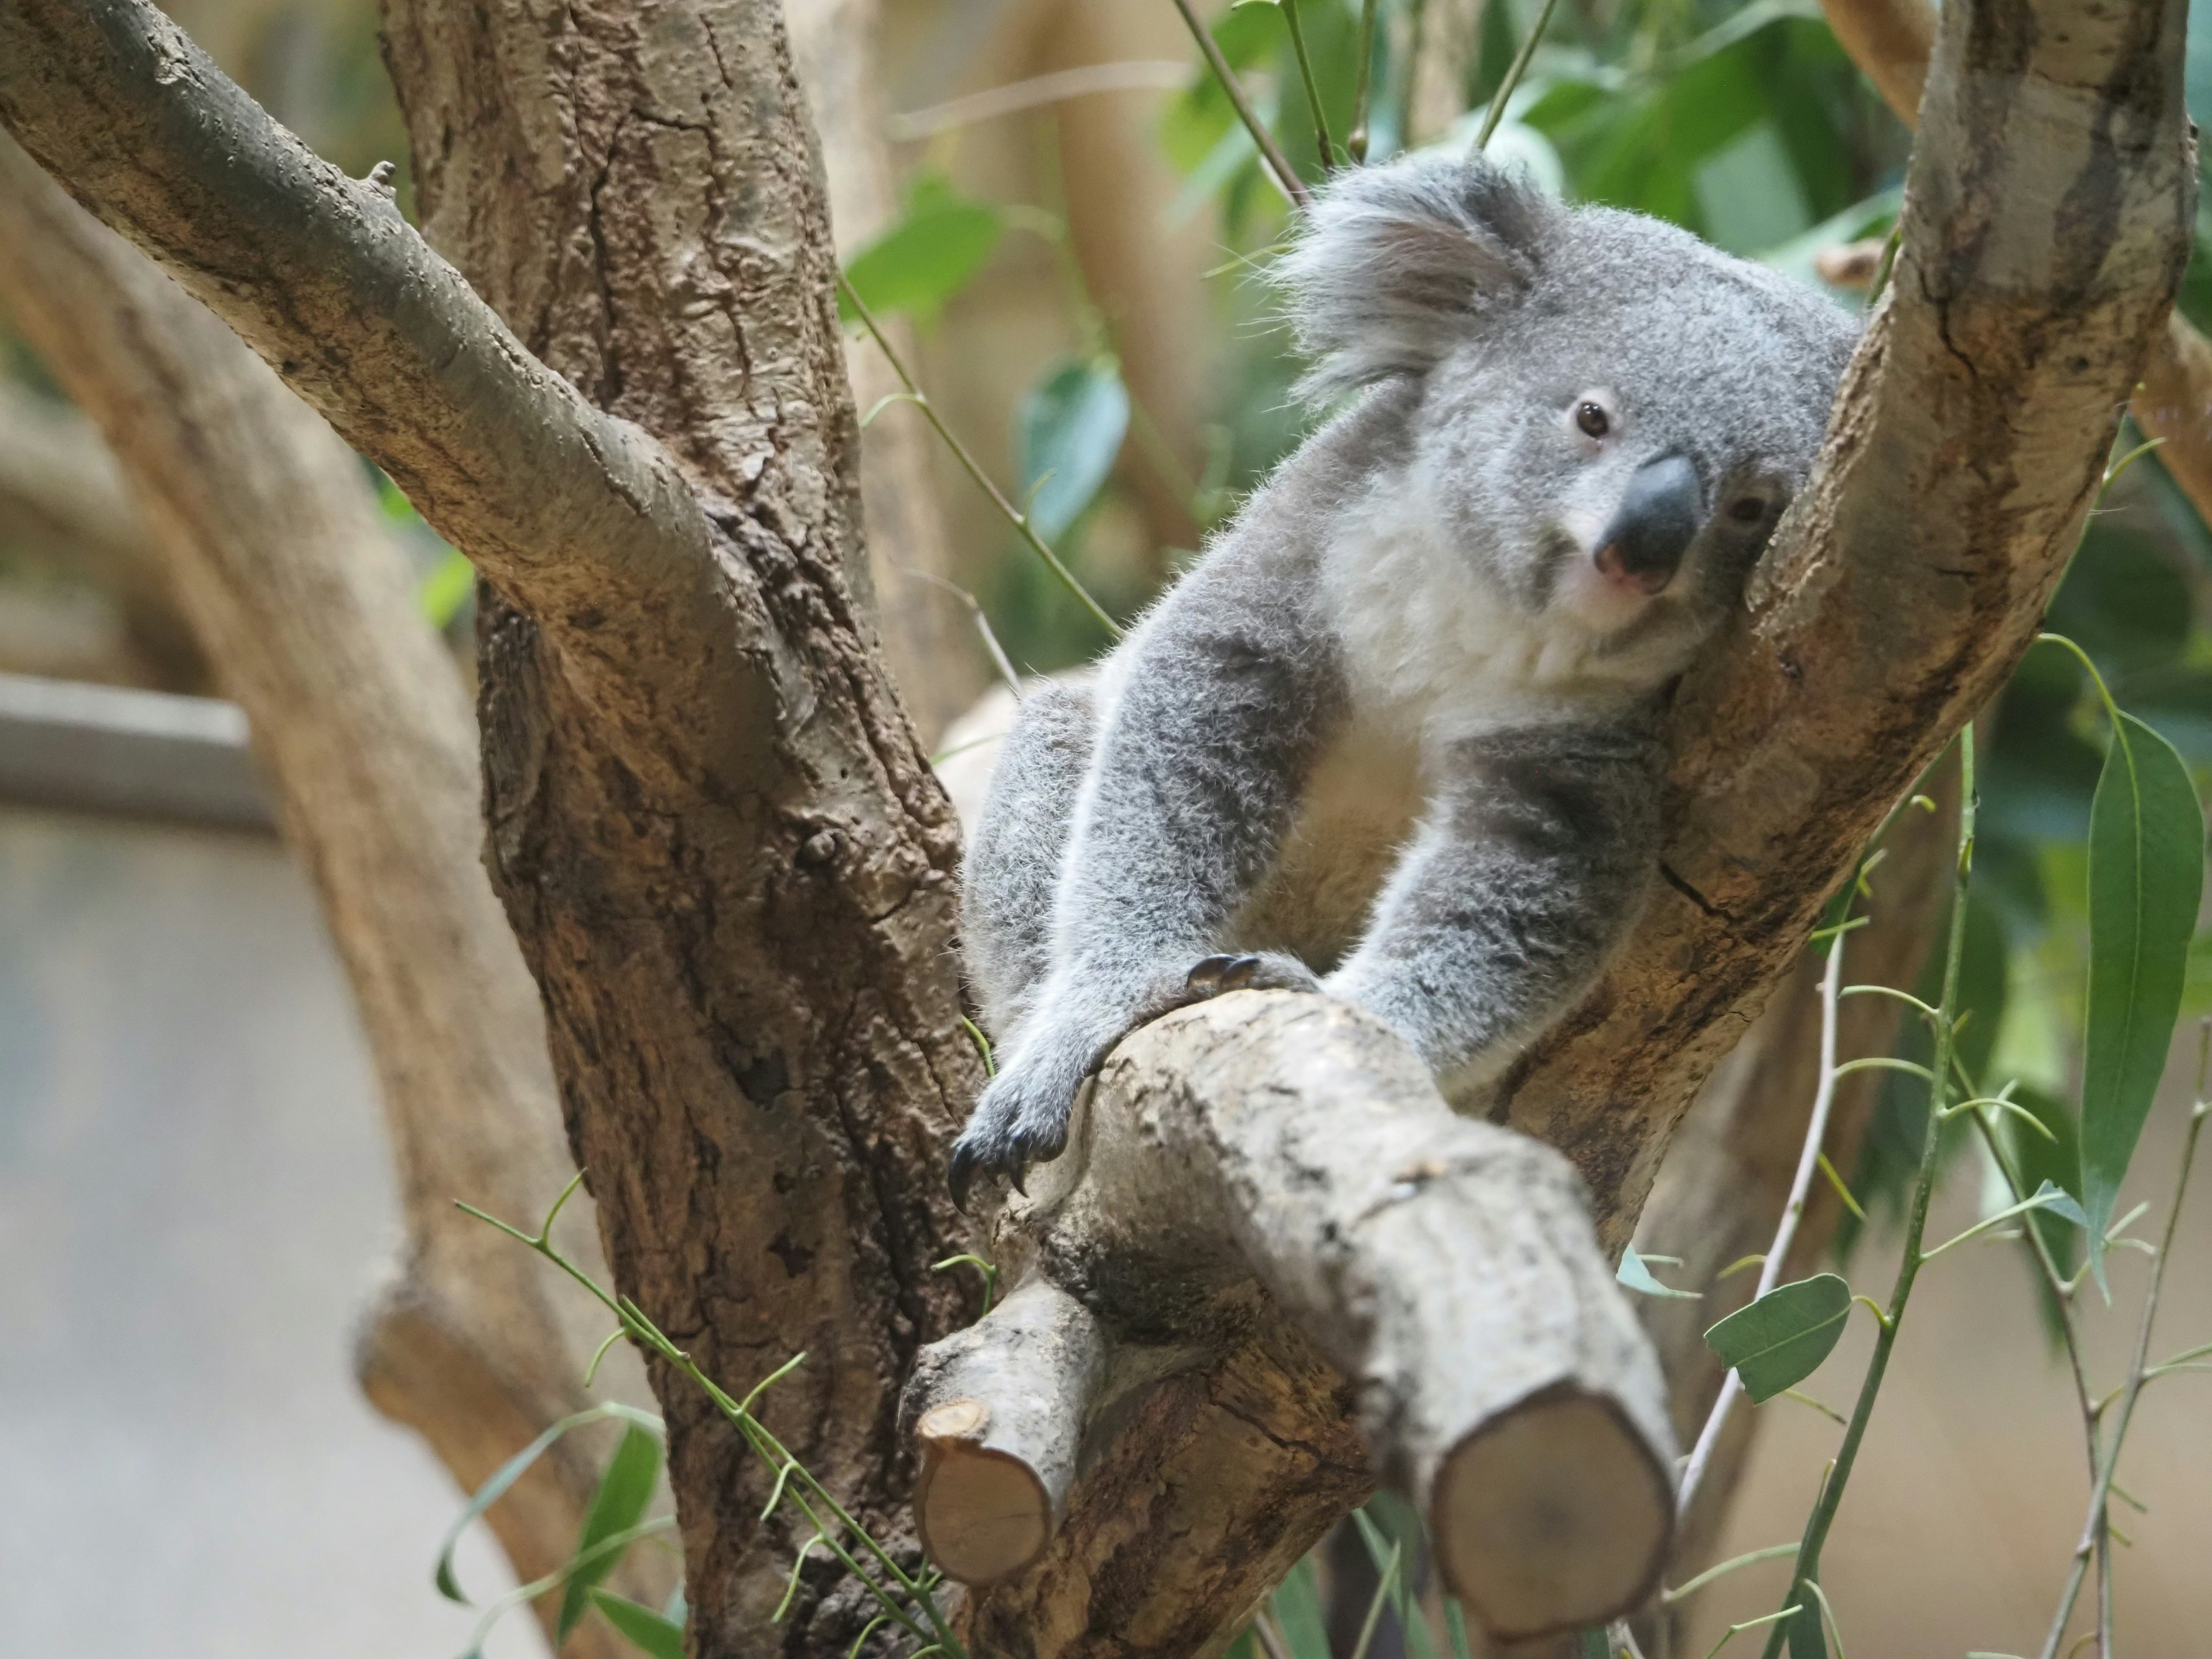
1658, 517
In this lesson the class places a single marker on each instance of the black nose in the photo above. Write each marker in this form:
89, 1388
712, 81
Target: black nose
1657, 520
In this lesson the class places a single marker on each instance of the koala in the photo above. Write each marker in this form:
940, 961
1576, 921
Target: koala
1396, 736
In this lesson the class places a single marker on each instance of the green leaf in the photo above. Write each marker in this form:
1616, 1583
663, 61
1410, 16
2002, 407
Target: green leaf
1297, 1610
661, 1637
624, 1492
1592, 1644
1070, 428
1780, 1339
1638, 1278
441, 594
2146, 877
926, 258
511, 1471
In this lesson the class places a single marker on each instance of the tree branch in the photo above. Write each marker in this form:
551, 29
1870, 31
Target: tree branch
1890, 40
1447, 1272
1967, 446
323, 277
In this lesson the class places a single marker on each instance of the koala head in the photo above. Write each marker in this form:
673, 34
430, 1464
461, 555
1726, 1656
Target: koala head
1607, 414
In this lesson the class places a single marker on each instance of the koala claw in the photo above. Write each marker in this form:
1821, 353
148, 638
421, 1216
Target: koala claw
1270, 970
1021, 1120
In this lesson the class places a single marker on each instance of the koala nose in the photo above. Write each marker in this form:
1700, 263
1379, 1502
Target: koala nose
1655, 525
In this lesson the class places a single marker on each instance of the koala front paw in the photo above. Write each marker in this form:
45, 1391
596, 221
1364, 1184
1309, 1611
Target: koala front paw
1263, 970
1020, 1119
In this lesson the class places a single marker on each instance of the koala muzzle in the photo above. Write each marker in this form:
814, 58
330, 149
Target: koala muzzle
1653, 527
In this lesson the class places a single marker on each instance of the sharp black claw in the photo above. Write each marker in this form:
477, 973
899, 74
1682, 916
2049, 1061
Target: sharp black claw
1205, 973
1014, 1177
1238, 974
957, 1176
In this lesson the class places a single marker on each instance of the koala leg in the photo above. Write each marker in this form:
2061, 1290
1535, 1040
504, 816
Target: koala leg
1531, 867
1200, 760
1014, 854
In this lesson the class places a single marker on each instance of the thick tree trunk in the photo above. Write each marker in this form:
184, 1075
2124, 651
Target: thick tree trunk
728, 864
274, 549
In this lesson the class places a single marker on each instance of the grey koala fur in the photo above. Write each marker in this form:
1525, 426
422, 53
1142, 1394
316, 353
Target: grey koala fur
1394, 737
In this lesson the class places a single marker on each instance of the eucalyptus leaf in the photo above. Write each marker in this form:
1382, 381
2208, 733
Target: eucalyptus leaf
511, 1471
1592, 1644
930, 255
663, 1639
620, 1502
1297, 1609
1637, 1277
1070, 427
1780, 1339
2146, 877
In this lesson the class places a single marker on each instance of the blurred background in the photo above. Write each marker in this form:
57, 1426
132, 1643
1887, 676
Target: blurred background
1060, 219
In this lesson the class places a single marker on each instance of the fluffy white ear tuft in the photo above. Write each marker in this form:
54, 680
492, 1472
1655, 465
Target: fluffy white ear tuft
1396, 265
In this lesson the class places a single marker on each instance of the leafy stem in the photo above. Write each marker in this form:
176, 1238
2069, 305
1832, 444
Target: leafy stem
1832, 1490
1012, 515
896, 1591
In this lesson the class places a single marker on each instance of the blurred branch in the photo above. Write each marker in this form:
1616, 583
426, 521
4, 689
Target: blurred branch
1132, 76
322, 276
834, 47
265, 525
1890, 41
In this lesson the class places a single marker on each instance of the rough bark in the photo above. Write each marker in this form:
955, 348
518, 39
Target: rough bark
2046, 220
1447, 1272
1451, 38
1890, 40
927, 636
728, 864
274, 549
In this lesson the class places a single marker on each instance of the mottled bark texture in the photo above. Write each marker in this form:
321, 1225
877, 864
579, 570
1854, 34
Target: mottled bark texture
730, 867
265, 530
1445, 1268
1890, 40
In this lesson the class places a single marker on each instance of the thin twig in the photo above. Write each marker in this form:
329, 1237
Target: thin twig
1290, 10
1357, 142
1808, 1156
1278, 165
1947, 1029
1512, 81
1013, 515
2094, 1525
982, 623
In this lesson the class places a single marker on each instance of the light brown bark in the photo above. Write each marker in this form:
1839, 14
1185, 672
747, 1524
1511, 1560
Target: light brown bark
1890, 41
716, 836
1445, 1268
274, 547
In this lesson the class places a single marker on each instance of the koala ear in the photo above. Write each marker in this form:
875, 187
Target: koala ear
1395, 264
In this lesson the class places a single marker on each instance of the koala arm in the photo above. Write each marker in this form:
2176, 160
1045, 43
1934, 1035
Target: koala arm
1209, 723
1529, 870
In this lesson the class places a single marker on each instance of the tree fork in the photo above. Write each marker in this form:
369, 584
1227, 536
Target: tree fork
1446, 1268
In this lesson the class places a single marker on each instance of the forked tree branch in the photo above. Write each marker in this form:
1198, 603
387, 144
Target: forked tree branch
1446, 1268
321, 275
1967, 446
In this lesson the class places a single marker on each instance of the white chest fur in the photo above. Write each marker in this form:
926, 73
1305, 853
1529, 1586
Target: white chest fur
1433, 649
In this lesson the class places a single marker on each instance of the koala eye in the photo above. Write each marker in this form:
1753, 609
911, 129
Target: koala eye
1747, 509
1593, 420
